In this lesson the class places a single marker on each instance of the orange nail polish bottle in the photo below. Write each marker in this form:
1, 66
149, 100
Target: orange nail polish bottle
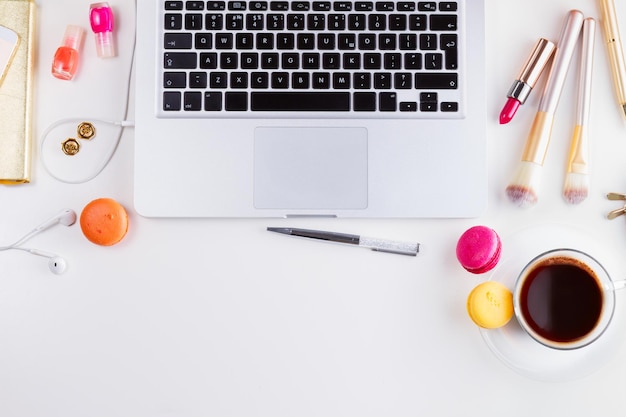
65, 60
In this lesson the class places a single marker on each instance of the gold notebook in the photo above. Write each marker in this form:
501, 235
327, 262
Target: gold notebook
16, 94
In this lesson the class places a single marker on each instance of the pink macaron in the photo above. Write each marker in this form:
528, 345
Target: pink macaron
479, 249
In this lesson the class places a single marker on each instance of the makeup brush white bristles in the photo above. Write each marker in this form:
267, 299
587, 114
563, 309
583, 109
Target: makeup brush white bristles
576, 186
524, 188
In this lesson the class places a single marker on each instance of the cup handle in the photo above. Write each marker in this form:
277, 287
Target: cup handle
619, 285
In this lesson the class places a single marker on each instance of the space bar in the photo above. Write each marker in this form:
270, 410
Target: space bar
300, 101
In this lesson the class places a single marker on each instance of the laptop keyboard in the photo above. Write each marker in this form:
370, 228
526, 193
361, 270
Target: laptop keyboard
385, 59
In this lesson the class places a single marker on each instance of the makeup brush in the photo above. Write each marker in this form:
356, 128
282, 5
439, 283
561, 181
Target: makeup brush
524, 188
576, 185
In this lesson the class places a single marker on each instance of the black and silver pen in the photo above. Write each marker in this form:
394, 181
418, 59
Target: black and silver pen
375, 244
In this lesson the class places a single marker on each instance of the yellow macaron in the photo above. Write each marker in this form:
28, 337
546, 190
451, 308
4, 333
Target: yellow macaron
490, 305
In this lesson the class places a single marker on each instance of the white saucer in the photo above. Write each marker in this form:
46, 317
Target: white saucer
513, 346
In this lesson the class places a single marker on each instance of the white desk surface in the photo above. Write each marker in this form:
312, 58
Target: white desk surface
221, 318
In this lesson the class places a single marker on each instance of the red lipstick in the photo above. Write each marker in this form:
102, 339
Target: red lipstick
527, 78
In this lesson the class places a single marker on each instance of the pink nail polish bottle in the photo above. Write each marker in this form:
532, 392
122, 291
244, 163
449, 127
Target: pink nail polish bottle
66, 57
101, 19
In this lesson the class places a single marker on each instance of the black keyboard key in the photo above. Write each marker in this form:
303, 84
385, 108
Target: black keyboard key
204, 40
433, 61
259, 80
364, 101
258, 5
417, 22
213, 101
448, 6
443, 22
450, 48
275, 21
436, 81
197, 80
180, 60
321, 80
397, 22
296, 21
234, 21
341, 80
321, 6
300, 80
449, 106
250, 60
362, 80
357, 21
194, 5
342, 6
336, 22
239, 79
384, 6
255, 21
387, 101
280, 80
224, 41
300, 6
173, 5
177, 41
174, 80
208, 60
427, 6
428, 41
279, 5
214, 21
346, 41
382, 80
244, 40
192, 101
406, 6
364, 6
229, 60
236, 5
316, 21
402, 81
218, 80
265, 41
408, 106
236, 101
172, 100
193, 21
216, 5
377, 22
300, 101
173, 21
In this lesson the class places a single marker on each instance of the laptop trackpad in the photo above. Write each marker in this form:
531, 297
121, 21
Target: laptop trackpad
310, 168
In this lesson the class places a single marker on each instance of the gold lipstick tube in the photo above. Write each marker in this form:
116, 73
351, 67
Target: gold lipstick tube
16, 94
532, 69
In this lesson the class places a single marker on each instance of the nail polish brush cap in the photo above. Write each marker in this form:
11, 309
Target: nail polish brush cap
73, 37
101, 19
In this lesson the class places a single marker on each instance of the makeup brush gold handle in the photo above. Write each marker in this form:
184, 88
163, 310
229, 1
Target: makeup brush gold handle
615, 50
539, 138
578, 158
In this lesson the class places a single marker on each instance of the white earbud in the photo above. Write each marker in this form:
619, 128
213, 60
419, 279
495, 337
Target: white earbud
66, 217
56, 264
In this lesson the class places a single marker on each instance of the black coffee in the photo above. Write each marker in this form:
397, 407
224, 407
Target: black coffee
561, 299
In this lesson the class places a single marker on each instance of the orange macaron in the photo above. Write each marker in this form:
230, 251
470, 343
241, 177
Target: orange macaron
104, 221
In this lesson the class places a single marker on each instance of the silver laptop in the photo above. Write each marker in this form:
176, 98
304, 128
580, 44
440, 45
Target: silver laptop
310, 108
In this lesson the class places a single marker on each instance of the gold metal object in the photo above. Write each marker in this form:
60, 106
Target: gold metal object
618, 212
70, 146
86, 130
